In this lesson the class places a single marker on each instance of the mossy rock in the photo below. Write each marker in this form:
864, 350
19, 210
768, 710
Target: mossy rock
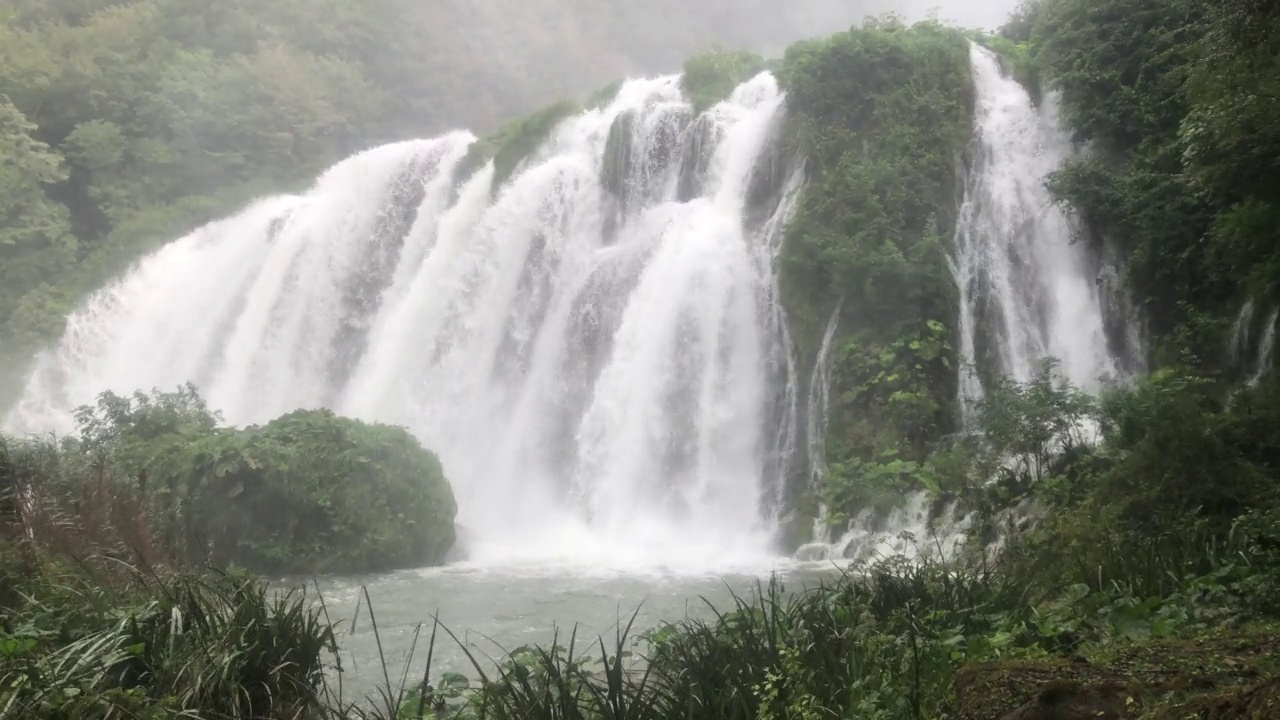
605, 96
308, 493
515, 142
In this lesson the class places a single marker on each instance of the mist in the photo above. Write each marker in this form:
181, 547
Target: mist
769, 26
480, 62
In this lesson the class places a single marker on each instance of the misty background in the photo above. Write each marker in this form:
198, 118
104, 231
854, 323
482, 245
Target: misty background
516, 55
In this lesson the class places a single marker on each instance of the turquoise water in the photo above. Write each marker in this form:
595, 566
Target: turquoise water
495, 610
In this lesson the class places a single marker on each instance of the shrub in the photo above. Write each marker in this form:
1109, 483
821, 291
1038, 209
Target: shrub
306, 493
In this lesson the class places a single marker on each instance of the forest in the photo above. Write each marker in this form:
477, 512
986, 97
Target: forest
1142, 583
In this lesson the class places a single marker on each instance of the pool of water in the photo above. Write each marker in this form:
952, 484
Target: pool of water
493, 610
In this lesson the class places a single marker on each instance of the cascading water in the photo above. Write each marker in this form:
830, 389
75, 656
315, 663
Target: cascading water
594, 355
1266, 348
1028, 291
1251, 347
818, 407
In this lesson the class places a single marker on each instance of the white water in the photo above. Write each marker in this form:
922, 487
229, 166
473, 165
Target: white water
1251, 348
598, 398
1028, 291
1266, 349
817, 418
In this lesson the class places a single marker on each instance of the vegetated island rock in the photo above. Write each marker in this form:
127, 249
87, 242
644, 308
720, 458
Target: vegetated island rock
309, 493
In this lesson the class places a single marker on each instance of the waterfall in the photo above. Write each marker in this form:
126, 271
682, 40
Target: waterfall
1250, 348
594, 350
817, 414
1028, 290
1238, 345
1266, 349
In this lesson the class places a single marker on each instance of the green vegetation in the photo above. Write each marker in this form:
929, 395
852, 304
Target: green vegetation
604, 96
1139, 590
77, 643
516, 141
306, 493
125, 124
1179, 99
712, 77
883, 115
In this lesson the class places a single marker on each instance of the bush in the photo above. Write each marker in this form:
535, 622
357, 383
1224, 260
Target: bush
306, 493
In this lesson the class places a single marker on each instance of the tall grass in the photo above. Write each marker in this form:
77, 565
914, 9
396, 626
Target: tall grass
886, 639
98, 623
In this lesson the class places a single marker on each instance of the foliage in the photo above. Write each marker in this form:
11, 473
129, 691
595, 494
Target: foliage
75, 644
307, 492
882, 114
1178, 99
160, 115
889, 406
519, 139
711, 77
515, 142
1027, 427
35, 232
604, 96
893, 639
153, 480
1135, 571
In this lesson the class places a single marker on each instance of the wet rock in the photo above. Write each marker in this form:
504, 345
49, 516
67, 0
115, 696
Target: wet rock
461, 550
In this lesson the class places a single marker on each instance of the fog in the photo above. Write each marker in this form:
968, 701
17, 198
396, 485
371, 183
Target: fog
770, 25
488, 60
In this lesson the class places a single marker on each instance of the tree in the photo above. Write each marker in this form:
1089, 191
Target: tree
36, 244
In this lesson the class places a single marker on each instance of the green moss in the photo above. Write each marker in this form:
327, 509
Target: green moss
883, 114
520, 139
516, 141
712, 77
